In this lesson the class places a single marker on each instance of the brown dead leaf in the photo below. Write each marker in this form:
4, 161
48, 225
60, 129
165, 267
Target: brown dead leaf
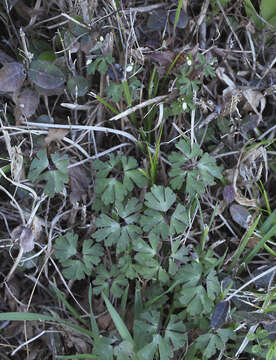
55, 135
79, 183
163, 60
104, 321
17, 169
256, 101
242, 200
28, 102
25, 236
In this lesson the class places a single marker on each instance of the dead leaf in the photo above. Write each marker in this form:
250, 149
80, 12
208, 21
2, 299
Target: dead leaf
104, 321
240, 215
16, 163
255, 99
163, 60
12, 76
55, 134
242, 200
79, 184
25, 236
28, 102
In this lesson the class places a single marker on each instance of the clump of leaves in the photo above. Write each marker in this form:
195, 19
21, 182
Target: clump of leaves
116, 178
77, 264
192, 169
56, 178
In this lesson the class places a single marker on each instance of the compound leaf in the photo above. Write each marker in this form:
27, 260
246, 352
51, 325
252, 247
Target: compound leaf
132, 174
38, 165
153, 221
91, 253
176, 332
160, 198
207, 166
213, 285
179, 220
75, 269
66, 246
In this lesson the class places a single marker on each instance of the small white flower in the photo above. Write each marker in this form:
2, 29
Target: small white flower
189, 61
89, 61
184, 106
129, 68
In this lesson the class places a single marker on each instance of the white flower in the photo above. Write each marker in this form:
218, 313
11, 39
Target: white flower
184, 106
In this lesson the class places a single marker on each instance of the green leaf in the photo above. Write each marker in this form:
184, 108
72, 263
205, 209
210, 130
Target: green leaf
196, 300
76, 269
111, 280
268, 11
193, 184
24, 316
91, 254
127, 267
46, 75
112, 190
77, 85
66, 246
213, 342
160, 198
114, 91
146, 265
124, 351
190, 274
118, 322
38, 165
154, 222
165, 349
213, 285
185, 166
176, 333
111, 232
132, 174
100, 64
207, 165
103, 348
143, 330
55, 179
179, 220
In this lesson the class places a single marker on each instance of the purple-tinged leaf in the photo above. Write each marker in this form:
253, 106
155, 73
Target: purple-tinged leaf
240, 215
220, 314
229, 194
12, 76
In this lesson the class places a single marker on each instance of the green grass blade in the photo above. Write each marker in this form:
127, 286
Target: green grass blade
93, 322
22, 316
152, 301
260, 245
109, 106
129, 101
244, 243
118, 322
68, 306
270, 221
124, 301
177, 14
